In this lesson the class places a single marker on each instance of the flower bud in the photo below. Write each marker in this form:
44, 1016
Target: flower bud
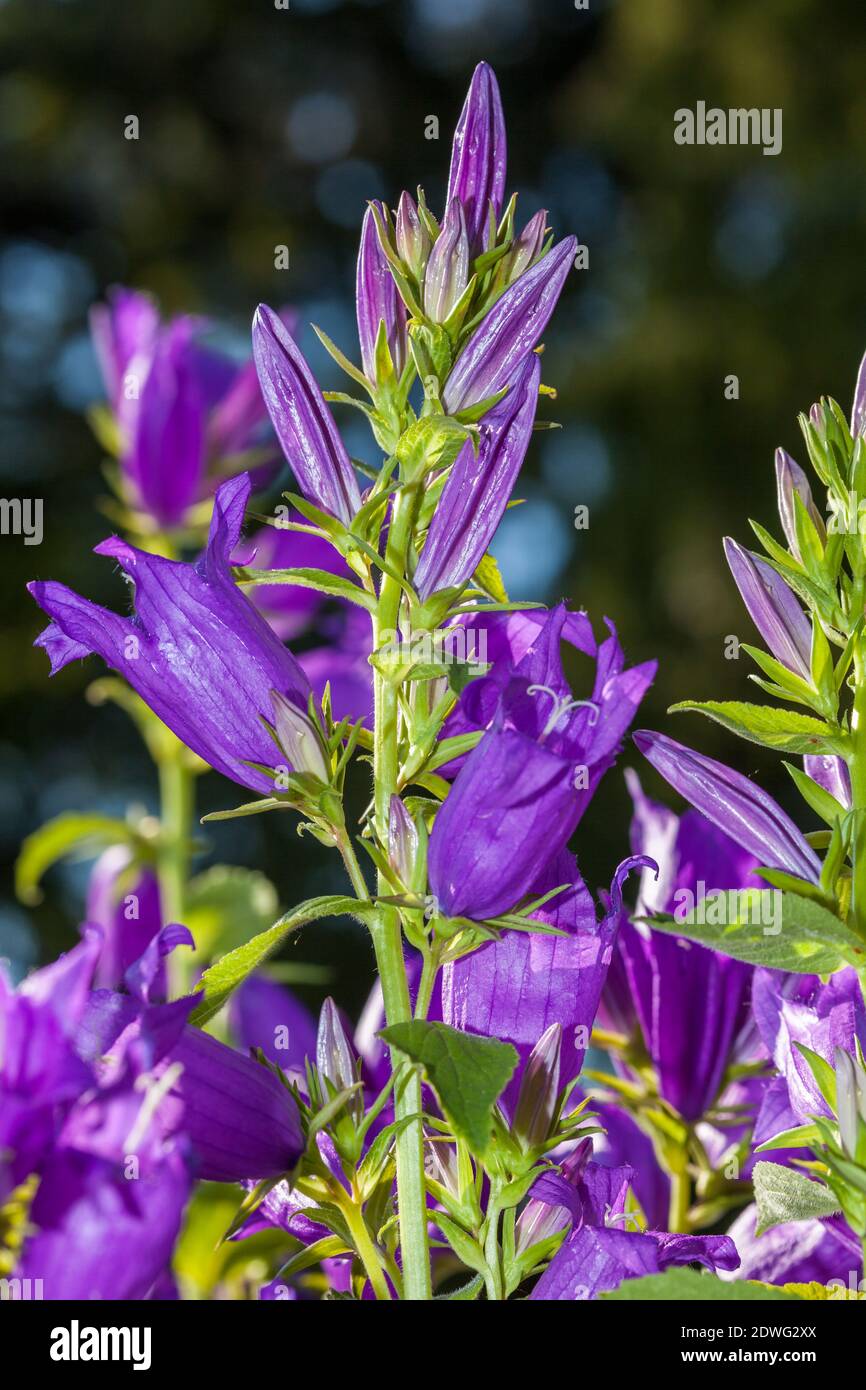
846, 1100
527, 247
773, 608
448, 267
539, 1089
790, 478
402, 842
299, 738
412, 237
541, 1219
377, 302
335, 1059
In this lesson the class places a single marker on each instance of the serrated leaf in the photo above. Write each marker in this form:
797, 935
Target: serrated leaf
468, 1072
782, 729
809, 939
784, 1194
334, 585
231, 970
488, 578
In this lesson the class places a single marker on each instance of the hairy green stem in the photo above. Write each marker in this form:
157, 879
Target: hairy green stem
176, 806
857, 768
367, 1252
387, 938
681, 1198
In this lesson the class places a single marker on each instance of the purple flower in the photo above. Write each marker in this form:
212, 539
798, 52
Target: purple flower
512, 808
509, 331
478, 156
377, 301
520, 793
196, 650
182, 409
303, 422
601, 1252
123, 900
516, 988
800, 1009
736, 805
794, 1252
773, 609
478, 488
691, 1004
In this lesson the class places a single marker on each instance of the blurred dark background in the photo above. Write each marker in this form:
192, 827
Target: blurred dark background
261, 126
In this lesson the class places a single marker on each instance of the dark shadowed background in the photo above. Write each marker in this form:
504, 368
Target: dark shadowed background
260, 127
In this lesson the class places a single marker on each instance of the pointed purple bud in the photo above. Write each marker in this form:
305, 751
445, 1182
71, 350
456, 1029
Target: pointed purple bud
773, 609
732, 802
299, 738
858, 409
448, 266
402, 842
478, 155
441, 1164
412, 238
539, 1089
335, 1059
377, 301
832, 774
303, 422
527, 247
508, 333
790, 478
478, 488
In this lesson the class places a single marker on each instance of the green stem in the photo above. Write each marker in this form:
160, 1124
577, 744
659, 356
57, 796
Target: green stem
367, 1252
681, 1200
429, 970
387, 938
176, 806
857, 768
493, 1277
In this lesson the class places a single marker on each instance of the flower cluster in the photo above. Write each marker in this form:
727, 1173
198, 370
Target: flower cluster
549, 1092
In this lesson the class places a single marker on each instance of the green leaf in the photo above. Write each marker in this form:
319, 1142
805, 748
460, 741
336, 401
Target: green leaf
464, 1246
231, 970
687, 1285
805, 937
467, 1071
815, 796
772, 728
784, 1194
488, 578
467, 1293
320, 580
87, 835
226, 906
800, 1137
